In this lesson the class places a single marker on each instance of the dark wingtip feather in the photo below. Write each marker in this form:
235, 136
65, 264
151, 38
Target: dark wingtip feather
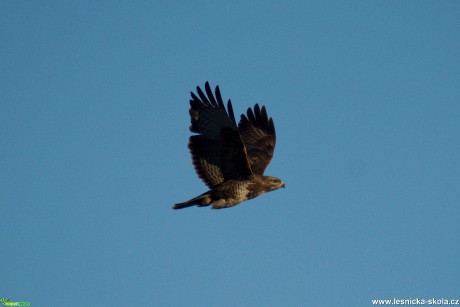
230, 111
194, 97
264, 115
210, 94
251, 117
220, 102
243, 120
256, 109
271, 126
203, 97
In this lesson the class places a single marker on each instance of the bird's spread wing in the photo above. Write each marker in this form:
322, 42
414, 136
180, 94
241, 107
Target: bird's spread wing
218, 152
258, 134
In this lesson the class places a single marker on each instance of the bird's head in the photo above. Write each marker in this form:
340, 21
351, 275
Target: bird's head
273, 183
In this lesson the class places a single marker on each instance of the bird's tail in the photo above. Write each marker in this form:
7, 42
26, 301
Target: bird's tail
201, 200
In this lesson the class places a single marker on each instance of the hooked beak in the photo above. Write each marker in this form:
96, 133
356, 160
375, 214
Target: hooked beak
283, 186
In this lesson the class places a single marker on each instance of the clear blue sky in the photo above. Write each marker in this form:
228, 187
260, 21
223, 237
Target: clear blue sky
94, 128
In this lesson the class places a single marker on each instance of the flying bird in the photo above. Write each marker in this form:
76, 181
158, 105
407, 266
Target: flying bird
230, 158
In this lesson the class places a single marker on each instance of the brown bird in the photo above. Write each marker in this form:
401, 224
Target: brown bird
229, 158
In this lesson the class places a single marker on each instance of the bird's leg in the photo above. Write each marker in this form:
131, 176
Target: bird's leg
219, 204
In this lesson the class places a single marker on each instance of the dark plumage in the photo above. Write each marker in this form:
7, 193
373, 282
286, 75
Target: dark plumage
229, 158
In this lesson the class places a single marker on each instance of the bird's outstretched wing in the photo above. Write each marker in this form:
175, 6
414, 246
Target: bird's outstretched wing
258, 134
218, 153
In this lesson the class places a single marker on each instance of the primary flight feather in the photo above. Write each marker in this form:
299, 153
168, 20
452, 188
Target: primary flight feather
229, 158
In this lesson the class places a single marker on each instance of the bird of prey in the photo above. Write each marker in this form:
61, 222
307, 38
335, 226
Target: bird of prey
229, 158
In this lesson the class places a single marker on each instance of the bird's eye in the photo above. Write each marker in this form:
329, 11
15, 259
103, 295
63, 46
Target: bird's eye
276, 180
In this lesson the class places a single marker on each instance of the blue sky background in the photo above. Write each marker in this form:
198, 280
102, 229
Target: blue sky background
94, 128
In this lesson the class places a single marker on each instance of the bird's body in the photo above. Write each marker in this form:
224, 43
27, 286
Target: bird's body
232, 192
230, 159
